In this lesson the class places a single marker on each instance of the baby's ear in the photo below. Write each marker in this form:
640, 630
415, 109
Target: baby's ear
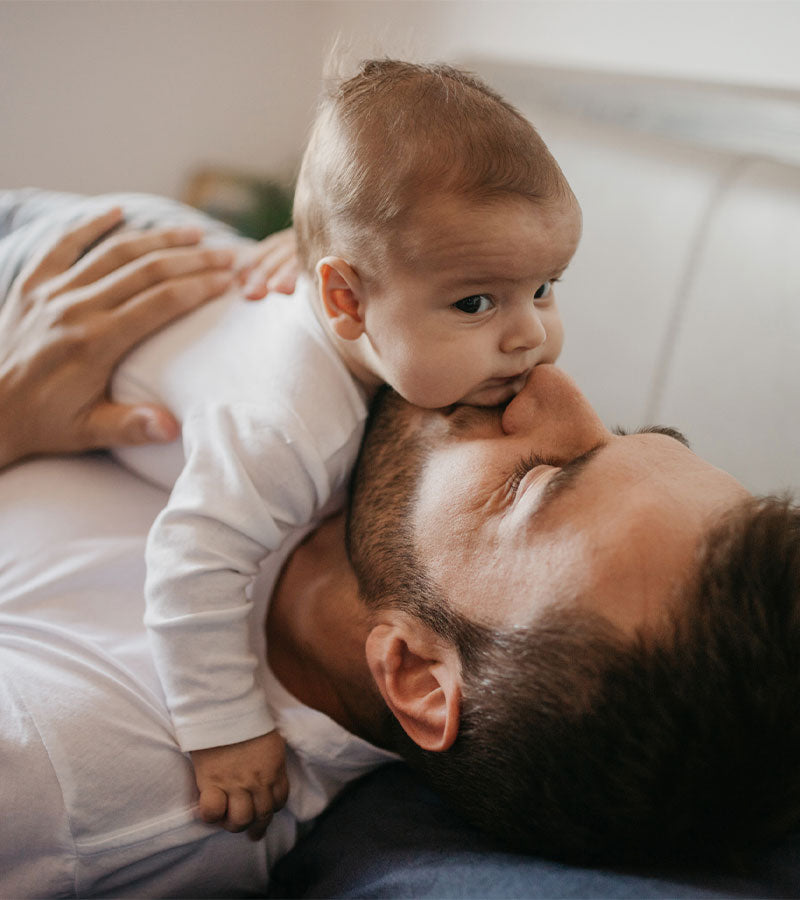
342, 298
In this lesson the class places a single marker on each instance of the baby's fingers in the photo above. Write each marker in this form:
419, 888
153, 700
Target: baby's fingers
267, 802
285, 278
275, 267
271, 276
280, 791
212, 804
241, 811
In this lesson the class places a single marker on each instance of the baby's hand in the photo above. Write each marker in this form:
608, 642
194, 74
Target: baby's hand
242, 785
270, 266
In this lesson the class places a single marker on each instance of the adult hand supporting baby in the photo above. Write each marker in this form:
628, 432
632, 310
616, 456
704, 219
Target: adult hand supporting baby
71, 315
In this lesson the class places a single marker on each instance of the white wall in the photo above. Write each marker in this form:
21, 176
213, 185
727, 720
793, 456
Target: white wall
99, 96
732, 41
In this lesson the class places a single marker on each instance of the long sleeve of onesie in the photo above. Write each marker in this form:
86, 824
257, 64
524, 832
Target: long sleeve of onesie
251, 475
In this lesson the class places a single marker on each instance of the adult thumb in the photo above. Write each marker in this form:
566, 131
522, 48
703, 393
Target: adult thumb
121, 424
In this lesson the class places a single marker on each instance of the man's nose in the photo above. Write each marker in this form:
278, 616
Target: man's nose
552, 409
524, 330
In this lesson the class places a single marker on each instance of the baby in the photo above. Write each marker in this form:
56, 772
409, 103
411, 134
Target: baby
432, 224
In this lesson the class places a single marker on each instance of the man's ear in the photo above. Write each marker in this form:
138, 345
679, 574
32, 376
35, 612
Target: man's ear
419, 677
342, 297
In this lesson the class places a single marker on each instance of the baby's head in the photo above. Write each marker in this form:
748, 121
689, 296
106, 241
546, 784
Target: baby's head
435, 221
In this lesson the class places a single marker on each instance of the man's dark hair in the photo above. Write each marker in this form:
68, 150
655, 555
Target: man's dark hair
582, 743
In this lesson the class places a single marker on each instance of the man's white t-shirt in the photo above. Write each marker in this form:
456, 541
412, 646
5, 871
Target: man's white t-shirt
96, 796
271, 425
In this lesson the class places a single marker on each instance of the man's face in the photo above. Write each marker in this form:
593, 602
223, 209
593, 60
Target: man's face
514, 509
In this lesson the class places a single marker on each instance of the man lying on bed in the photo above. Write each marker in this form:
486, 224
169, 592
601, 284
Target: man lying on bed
587, 641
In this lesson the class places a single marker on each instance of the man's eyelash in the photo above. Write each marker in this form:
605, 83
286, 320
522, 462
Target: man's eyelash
521, 470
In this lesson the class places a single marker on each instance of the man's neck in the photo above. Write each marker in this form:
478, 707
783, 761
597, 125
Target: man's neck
316, 629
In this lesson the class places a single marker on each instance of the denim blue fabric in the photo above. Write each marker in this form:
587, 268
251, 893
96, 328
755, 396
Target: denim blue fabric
389, 836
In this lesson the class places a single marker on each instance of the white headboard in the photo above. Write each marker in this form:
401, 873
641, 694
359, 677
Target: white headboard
682, 305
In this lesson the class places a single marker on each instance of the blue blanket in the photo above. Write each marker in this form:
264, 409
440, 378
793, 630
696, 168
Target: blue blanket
389, 836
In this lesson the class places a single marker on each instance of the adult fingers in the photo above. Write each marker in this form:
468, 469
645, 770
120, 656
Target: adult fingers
119, 250
117, 425
62, 252
152, 270
153, 308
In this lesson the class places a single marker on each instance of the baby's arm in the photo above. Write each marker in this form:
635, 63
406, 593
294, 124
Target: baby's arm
246, 483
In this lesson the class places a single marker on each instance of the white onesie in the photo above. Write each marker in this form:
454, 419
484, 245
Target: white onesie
272, 422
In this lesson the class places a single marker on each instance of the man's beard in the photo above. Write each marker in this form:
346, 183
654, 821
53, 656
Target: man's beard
382, 495
380, 535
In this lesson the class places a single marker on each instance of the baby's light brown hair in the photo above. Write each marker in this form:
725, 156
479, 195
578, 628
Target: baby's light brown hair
397, 132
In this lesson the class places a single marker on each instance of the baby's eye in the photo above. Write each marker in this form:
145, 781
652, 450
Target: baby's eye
543, 290
476, 304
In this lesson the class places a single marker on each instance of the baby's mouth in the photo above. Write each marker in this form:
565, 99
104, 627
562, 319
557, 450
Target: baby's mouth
508, 380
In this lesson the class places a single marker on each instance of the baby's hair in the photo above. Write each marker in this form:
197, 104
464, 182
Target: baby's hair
396, 132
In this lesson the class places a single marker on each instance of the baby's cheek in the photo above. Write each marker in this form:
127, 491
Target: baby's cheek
431, 383
555, 336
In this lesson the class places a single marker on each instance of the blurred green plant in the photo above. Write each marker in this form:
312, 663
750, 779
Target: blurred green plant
254, 206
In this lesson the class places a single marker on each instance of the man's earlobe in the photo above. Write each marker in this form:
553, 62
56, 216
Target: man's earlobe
419, 677
341, 293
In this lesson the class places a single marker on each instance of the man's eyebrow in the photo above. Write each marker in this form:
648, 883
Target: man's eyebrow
562, 481
666, 430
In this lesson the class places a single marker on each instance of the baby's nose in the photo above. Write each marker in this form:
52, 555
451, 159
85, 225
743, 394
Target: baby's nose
526, 332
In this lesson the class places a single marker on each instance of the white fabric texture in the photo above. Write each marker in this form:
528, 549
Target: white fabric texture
272, 422
97, 798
